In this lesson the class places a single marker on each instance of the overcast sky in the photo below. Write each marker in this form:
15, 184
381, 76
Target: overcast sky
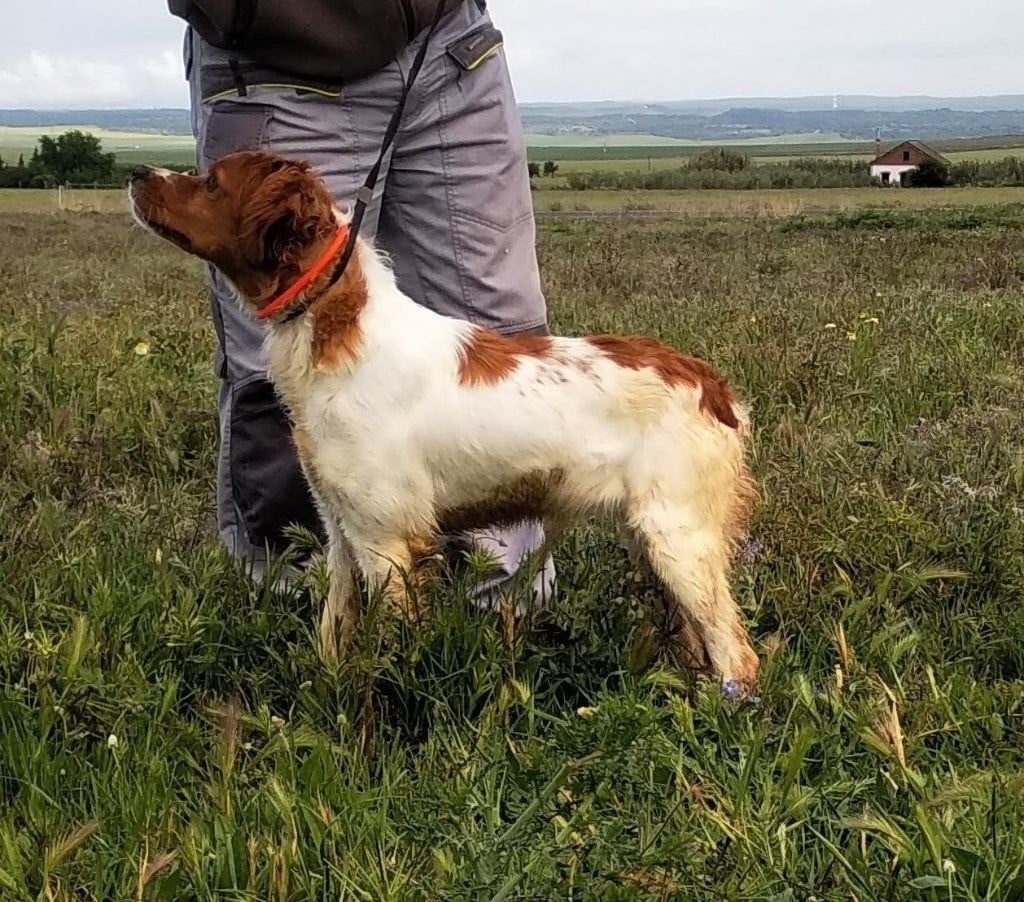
126, 53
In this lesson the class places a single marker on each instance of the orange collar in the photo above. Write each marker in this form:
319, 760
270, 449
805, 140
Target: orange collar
276, 305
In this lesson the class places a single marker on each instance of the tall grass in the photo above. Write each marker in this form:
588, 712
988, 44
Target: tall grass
166, 731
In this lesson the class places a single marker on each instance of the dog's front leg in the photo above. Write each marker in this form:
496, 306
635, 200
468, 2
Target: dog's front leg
340, 616
389, 567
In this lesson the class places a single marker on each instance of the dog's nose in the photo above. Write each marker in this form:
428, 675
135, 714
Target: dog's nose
140, 172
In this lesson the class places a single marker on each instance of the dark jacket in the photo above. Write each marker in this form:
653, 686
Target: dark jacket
323, 41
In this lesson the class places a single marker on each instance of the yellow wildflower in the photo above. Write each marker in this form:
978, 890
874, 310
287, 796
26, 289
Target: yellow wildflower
142, 349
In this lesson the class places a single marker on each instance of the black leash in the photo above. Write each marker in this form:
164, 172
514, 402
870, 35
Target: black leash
364, 196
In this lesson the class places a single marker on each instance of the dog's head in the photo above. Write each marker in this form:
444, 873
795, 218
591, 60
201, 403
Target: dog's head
259, 218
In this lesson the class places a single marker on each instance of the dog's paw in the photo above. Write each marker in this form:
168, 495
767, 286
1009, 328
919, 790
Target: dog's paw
735, 691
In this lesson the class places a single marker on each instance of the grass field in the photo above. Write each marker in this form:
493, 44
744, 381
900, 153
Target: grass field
75, 200
710, 203
775, 203
576, 143
166, 731
593, 143
130, 147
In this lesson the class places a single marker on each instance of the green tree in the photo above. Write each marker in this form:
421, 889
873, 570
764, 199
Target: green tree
550, 167
534, 169
74, 156
928, 174
15, 176
721, 159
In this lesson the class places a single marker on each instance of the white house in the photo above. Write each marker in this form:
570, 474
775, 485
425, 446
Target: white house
893, 165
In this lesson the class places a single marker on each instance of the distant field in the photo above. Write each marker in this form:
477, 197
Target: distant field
585, 142
130, 147
994, 153
598, 141
789, 202
591, 153
571, 152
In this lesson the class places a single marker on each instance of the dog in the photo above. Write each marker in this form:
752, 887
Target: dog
410, 425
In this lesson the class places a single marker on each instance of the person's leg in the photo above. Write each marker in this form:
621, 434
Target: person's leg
457, 215
475, 273
260, 487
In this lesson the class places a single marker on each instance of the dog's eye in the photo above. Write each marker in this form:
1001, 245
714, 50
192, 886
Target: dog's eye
211, 182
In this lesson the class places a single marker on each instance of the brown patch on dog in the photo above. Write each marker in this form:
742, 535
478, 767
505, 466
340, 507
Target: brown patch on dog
488, 357
638, 351
529, 497
337, 334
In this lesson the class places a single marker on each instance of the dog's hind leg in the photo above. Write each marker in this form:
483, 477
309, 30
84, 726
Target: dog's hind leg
690, 556
340, 615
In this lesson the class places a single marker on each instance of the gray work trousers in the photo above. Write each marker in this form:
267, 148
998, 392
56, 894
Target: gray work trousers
452, 209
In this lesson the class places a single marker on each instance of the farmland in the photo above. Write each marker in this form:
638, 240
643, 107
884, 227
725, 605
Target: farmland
573, 153
683, 204
167, 732
129, 147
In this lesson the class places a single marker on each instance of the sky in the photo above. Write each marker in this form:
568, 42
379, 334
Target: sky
126, 53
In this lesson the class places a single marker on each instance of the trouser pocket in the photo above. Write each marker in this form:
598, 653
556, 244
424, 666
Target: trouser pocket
269, 489
231, 126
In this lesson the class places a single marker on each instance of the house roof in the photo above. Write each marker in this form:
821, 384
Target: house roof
919, 146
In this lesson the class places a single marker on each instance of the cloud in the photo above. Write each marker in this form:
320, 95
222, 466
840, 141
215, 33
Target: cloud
573, 49
49, 81
664, 49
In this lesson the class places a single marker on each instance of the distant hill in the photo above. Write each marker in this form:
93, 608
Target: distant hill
163, 121
816, 103
852, 117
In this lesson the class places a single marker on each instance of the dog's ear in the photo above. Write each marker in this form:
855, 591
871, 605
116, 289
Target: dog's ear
282, 240
289, 210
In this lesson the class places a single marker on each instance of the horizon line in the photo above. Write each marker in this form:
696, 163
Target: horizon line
633, 100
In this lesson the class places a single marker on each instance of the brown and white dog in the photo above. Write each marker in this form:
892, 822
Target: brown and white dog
409, 423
